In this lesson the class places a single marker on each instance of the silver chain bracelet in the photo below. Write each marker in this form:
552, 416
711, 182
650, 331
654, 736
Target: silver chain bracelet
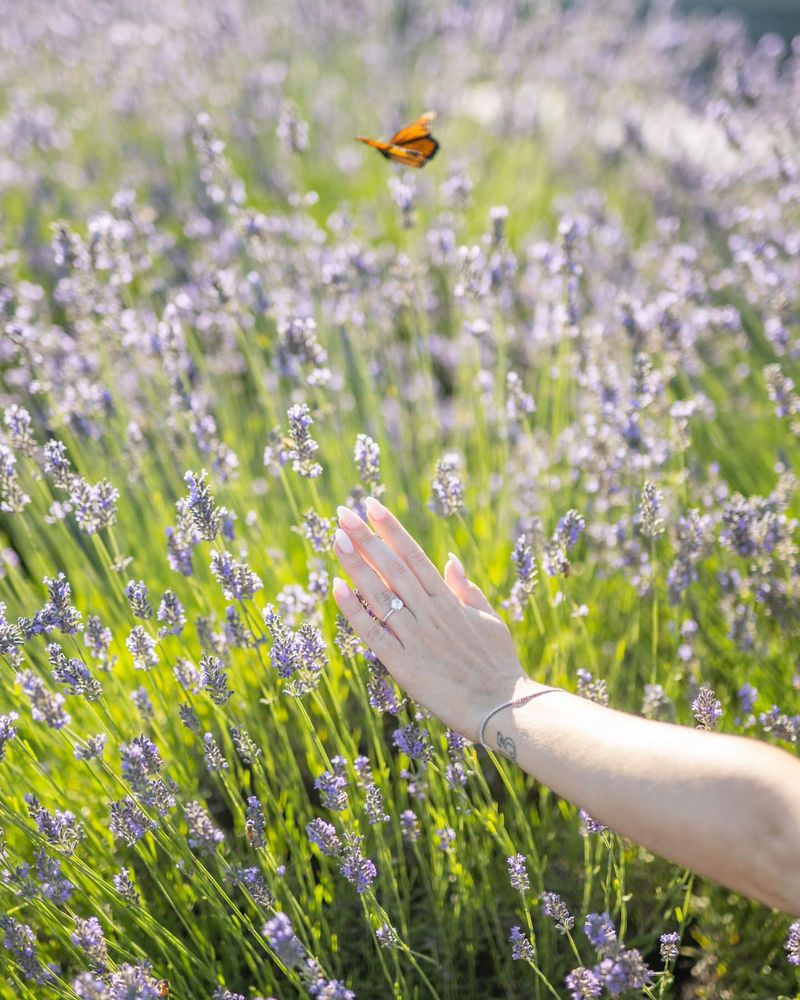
509, 704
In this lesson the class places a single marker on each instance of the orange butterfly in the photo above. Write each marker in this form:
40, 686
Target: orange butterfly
412, 146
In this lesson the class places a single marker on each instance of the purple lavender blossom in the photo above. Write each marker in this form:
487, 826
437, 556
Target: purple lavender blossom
88, 986
142, 647
333, 790
188, 717
135, 981
126, 888
7, 731
141, 762
374, 806
651, 524
409, 823
781, 726
88, 936
144, 706
599, 929
20, 940
447, 836
283, 940
324, 836
302, 447
73, 674
214, 679
205, 515
447, 487
793, 943
624, 971
589, 825
251, 880
45, 707
138, 599
11, 635
53, 884
523, 949
203, 835
237, 580
669, 946
747, 696
57, 464
707, 709
583, 984
367, 455
171, 613
518, 872
129, 822
413, 741
387, 936
213, 756
358, 870
382, 694
59, 610
237, 633
247, 749
94, 505
552, 906
97, 639
59, 828
12, 498
181, 539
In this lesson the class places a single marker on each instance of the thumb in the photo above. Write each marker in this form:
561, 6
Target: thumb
467, 592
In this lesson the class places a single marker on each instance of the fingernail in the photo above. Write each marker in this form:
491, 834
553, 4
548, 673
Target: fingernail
340, 588
349, 518
375, 508
342, 542
458, 565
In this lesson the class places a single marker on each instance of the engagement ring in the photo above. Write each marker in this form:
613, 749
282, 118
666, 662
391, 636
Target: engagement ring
395, 605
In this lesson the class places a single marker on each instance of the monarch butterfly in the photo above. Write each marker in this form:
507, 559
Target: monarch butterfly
412, 146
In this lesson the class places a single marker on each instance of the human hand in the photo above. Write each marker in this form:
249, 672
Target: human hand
447, 647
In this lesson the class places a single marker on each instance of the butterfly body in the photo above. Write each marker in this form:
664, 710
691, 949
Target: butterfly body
412, 146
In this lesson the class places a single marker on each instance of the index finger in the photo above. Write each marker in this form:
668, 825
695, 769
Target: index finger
401, 542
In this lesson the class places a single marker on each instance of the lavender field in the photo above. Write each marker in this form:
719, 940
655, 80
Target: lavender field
568, 350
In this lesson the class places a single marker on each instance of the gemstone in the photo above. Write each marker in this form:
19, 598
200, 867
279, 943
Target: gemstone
396, 603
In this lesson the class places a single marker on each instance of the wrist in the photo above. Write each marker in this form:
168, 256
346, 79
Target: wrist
496, 730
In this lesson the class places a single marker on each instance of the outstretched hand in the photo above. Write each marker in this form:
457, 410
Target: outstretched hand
446, 647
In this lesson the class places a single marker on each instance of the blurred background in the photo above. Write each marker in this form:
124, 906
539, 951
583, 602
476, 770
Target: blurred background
782, 16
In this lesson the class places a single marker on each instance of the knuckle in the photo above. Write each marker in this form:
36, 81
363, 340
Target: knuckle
448, 601
373, 633
417, 557
398, 568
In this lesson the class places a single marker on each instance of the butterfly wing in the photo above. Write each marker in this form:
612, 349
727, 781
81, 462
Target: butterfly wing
413, 153
418, 129
382, 147
412, 146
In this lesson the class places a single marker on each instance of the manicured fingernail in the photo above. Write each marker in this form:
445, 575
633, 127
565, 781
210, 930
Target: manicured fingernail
340, 588
375, 508
458, 565
342, 542
348, 518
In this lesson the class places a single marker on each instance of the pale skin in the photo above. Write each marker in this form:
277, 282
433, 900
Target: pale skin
726, 807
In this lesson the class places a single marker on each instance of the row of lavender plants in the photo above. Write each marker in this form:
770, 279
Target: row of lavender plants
564, 351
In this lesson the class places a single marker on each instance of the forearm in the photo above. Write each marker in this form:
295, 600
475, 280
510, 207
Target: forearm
681, 793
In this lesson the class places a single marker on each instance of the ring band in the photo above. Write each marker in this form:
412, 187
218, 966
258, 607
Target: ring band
395, 605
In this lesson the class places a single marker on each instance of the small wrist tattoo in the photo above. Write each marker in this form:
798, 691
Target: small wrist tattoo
506, 746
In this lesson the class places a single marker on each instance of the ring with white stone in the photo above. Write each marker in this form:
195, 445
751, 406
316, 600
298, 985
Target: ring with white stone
395, 605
